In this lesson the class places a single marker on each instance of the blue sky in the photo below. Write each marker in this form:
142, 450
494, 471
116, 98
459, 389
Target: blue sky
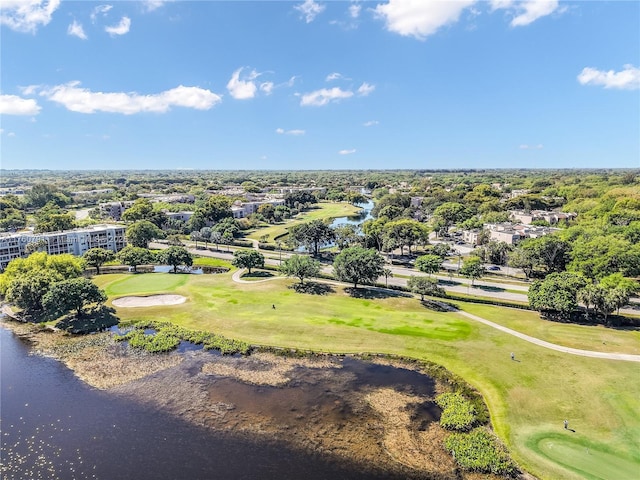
319, 84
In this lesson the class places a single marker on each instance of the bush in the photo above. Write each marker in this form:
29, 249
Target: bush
457, 412
266, 246
480, 451
169, 336
242, 243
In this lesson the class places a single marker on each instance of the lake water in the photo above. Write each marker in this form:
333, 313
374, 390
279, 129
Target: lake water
55, 426
358, 219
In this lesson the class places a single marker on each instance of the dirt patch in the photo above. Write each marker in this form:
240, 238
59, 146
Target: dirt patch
149, 301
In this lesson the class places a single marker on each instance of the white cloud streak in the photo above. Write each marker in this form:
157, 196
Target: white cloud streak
347, 151
309, 10
14, 105
365, 89
324, 96
282, 131
121, 28
82, 100
371, 123
626, 79
151, 5
527, 11
243, 88
100, 10
333, 76
27, 15
354, 10
76, 30
420, 18
531, 147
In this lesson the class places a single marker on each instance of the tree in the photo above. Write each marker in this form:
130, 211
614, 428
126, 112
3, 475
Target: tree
73, 294
141, 233
27, 290
374, 232
387, 273
41, 194
96, 257
441, 249
601, 255
267, 211
429, 264
248, 259
51, 218
216, 237
61, 266
37, 246
301, 266
405, 232
134, 256
347, 235
557, 293
450, 213
523, 259
312, 235
227, 226
424, 286
588, 296
215, 209
142, 209
176, 256
550, 253
472, 268
299, 198
358, 265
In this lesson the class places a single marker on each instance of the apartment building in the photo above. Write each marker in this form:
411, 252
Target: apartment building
76, 242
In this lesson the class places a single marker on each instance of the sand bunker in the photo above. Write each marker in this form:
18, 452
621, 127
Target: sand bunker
150, 301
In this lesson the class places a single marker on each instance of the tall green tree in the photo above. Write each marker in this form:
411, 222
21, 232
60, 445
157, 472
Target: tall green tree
472, 268
72, 295
140, 233
358, 265
27, 290
312, 235
557, 294
248, 259
142, 209
429, 264
300, 266
62, 266
424, 286
134, 256
550, 253
406, 232
96, 257
176, 256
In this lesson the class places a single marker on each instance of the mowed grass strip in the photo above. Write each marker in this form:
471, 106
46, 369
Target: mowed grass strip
528, 397
586, 337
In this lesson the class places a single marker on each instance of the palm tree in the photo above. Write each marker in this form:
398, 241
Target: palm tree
387, 273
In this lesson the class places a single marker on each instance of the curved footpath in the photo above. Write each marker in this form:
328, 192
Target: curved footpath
552, 346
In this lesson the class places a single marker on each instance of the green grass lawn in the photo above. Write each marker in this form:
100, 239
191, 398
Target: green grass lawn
324, 210
528, 399
211, 262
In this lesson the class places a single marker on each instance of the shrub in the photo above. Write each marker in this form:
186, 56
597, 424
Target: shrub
457, 412
169, 336
480, 451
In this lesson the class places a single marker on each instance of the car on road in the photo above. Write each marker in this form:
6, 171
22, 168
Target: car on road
493, 268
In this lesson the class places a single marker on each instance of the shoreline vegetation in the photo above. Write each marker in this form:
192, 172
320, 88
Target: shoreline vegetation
381, 429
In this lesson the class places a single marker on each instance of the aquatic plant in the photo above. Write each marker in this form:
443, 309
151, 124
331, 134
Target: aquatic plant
457, 412
480, 451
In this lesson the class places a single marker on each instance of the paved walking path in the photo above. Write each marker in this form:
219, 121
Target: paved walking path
552, 346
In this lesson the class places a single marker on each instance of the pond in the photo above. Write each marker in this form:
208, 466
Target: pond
55, 426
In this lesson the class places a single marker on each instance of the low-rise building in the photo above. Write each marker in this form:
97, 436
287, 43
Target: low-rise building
244, 209
552, 218
75, 242
114, 210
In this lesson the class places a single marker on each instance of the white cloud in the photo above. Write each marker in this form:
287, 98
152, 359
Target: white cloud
309, 10
333, 76
347, 152
245, 88
354, 10
267, 87
11, 134
324, 96
626, 79
420, 18
76, 30
526, 11
365, 89
14, 105
371, 123
151, 5
27, 15
121, 29
82, 100
531, 147
100, 10
282, 131
29, 89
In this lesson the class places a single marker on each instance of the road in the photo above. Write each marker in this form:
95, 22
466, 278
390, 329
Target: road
481, 288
